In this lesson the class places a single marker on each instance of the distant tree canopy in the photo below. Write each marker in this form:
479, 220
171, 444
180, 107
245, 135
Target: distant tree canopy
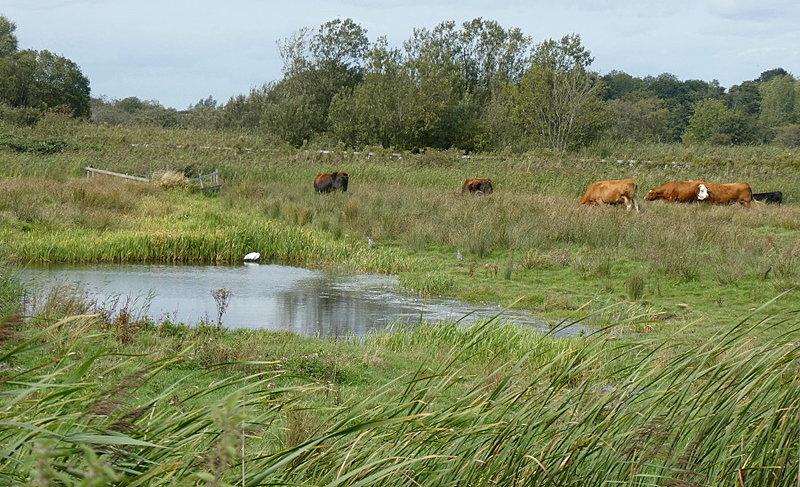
475, 86
39, 79
480, 86
8, 41
43, 80
133, 111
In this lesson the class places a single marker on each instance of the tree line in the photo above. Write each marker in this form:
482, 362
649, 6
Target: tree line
476, 86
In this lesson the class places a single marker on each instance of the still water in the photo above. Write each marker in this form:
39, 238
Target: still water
308, 302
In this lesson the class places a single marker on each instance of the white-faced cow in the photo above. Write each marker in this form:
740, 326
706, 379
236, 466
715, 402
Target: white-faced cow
724, 194
679, 191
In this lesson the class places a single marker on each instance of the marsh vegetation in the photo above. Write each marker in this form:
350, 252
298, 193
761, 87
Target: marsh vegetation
688, 381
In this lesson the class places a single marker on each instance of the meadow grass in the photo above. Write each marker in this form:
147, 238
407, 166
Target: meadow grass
529, 239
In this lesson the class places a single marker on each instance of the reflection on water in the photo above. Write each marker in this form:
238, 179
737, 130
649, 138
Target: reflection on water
275, 297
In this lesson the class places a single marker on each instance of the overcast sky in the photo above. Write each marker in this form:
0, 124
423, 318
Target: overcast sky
180, 51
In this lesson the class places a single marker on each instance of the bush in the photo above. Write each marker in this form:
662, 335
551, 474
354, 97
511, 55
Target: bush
20, 116
47, 145
788, 135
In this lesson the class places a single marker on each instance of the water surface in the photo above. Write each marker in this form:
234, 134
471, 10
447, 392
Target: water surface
275, 297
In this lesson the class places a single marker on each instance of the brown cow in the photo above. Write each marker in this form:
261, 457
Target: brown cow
611, 193
327, 182
680, 191
724, 194
477, 186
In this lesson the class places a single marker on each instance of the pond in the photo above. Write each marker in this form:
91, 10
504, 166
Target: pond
311, 303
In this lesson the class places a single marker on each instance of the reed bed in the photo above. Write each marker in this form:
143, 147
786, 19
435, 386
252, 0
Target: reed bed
490, 404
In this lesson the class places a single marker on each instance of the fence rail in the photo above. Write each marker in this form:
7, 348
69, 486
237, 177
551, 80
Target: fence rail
91, 171
208, 181
205, 182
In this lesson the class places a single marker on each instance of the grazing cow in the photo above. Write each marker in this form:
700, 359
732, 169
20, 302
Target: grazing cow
477, 186
723, 194
611, 193
680, 191
775, 197
325, 183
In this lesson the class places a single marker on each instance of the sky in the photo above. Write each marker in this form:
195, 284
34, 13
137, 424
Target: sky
178, 52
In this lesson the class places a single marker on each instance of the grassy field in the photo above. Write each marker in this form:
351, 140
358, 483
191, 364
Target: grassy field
529, 240
690, 380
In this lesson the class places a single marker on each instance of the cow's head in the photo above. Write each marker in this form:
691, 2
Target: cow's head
651, 195
702, 192
339, 180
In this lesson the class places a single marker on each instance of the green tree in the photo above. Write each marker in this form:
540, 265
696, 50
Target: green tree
392, 107
708, 121
133, 111
619, 84
316, 68
680, 96
778, 101
477, 55
788, 135
340, 45
744, 98
475, 60
772, 73
645, 120
557, 101
8, 41
43, 80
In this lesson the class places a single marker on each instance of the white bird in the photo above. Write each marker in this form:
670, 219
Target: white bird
371, 242
459, 255
252, 256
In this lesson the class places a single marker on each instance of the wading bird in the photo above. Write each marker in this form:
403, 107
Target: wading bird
252, 257
459, 255
371, 242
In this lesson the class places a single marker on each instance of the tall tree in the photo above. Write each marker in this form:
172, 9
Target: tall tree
8, 41
778, 100
475, 59
43, 80
558, 99
708, 120
392, 107
619, 84
316, 68
478, 54
771, 73
645, 120
745, 98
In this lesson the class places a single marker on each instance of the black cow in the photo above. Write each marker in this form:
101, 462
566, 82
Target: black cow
327, 182
775, 197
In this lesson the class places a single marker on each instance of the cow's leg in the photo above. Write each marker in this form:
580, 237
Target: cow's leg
627, 202
635, 205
